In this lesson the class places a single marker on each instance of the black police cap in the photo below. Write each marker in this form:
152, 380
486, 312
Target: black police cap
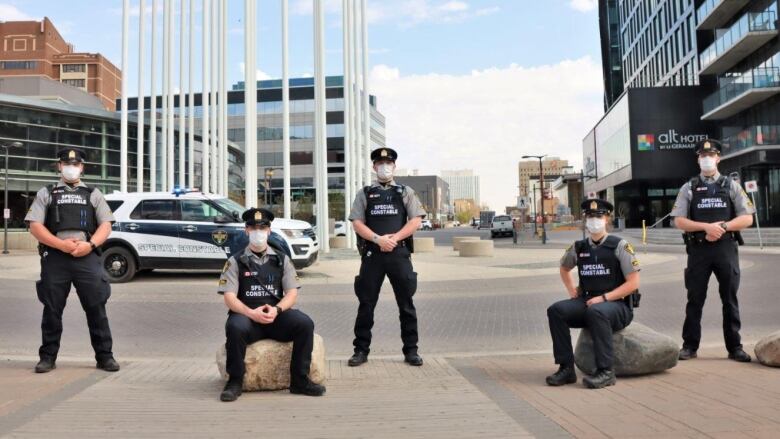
257, 217
709, 145
71, 155
597, 206
384, 154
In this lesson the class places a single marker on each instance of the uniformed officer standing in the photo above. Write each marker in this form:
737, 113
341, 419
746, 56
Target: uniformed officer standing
712, 209
385, 215
603, 302
71, 221
260, 287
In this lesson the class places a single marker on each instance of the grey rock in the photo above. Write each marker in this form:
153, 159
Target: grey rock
768, 350
268, 364
638, 350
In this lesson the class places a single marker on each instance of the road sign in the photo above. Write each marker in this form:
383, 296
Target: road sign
522, 203
6, 213
592, 195
751, 186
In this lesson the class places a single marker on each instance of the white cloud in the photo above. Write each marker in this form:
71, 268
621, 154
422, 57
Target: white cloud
488, 119
12, 13
261, 75
405, 12
583, 5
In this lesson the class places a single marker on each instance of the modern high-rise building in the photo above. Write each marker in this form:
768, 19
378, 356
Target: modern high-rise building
611, 59
552, 167
463, 184
691, 69
36, 49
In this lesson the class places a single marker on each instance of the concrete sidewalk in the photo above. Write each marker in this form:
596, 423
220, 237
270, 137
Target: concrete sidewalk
467, 397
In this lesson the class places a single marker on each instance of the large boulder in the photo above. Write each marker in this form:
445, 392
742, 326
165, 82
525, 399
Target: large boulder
768, 350
638, 350
268, 364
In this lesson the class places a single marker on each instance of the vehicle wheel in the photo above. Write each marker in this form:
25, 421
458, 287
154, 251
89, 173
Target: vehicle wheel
118, 264
492, 235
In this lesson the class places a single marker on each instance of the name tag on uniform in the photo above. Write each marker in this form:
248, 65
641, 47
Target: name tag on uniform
374, 195
584, 255
701, 189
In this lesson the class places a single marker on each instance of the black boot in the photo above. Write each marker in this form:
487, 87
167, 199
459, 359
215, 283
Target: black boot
687, 354
565, 375
232, 390
602, 378
739, 355
108, 364
413, 359
307, 388
357, 359
45, 365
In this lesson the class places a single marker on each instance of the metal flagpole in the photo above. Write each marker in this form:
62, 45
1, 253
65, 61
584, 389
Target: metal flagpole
191, 101
182, 109
250, 104
357, 114
153, 103
213, 117
357, 162
139, 162
171, 103
123, 117
286, 112
347, 113
366, 104
204, 103
223, 99
320, 133
165, 103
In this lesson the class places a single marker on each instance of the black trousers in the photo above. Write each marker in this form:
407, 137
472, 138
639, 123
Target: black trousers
291, 325
601, 319
397, 266
721, 258
58, 272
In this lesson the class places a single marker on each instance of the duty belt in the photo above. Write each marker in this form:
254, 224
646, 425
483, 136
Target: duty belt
700, 238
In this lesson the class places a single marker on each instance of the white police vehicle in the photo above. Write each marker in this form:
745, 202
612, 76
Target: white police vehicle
188, 230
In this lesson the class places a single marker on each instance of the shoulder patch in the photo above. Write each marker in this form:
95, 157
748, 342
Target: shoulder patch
226, 267
635, 262
629, 248
222, 282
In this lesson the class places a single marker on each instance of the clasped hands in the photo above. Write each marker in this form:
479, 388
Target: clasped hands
387, 243
264, 314
714, 231
74, 247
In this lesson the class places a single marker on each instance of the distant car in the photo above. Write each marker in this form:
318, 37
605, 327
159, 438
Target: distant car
475, 223
340, 228
501, 225
191, 230
425, 225
456, 223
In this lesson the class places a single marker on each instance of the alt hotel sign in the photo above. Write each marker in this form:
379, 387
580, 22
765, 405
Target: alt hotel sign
668, 140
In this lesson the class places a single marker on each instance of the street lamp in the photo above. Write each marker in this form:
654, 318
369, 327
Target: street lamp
541, 182
5, 196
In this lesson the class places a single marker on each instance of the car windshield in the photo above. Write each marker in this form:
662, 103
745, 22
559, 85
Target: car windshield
229, 205
501, 218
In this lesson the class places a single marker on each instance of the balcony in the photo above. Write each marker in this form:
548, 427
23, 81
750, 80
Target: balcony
752, 31
742, 92
736, 139
713, 14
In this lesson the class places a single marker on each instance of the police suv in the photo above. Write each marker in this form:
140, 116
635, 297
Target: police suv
188, 230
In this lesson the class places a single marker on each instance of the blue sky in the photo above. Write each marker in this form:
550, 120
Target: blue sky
430, 54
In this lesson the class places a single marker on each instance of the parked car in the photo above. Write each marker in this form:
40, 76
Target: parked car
188, 230
425, 224
501, 225
340, 228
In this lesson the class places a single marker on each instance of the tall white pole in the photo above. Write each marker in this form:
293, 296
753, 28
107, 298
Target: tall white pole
191, 103
366, 107
205, 183
182, 109
123, 117
213, 97
286, 111
165, 102
153, 112
171, 103
223, 99
250, 104
320, 128
347, 135
139, 162
355, 91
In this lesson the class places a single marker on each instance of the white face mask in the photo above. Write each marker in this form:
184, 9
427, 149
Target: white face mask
595, 225
707, 164
384, 172
71, 173
258, 239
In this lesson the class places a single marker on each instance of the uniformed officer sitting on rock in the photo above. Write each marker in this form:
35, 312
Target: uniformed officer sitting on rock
712, 209
71, 221
260, 288
602, 303
385, 216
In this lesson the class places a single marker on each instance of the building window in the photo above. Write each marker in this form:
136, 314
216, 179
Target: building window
73, 68
18, 65
80, 83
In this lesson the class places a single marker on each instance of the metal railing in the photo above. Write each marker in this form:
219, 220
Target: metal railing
764, 77
756, 135
750, 22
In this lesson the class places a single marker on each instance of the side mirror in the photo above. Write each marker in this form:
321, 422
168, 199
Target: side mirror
223, 219
236, 215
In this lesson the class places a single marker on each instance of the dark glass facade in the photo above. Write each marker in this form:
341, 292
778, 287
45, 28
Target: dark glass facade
611, 54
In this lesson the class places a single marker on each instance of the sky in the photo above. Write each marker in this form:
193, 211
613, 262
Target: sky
463, 84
